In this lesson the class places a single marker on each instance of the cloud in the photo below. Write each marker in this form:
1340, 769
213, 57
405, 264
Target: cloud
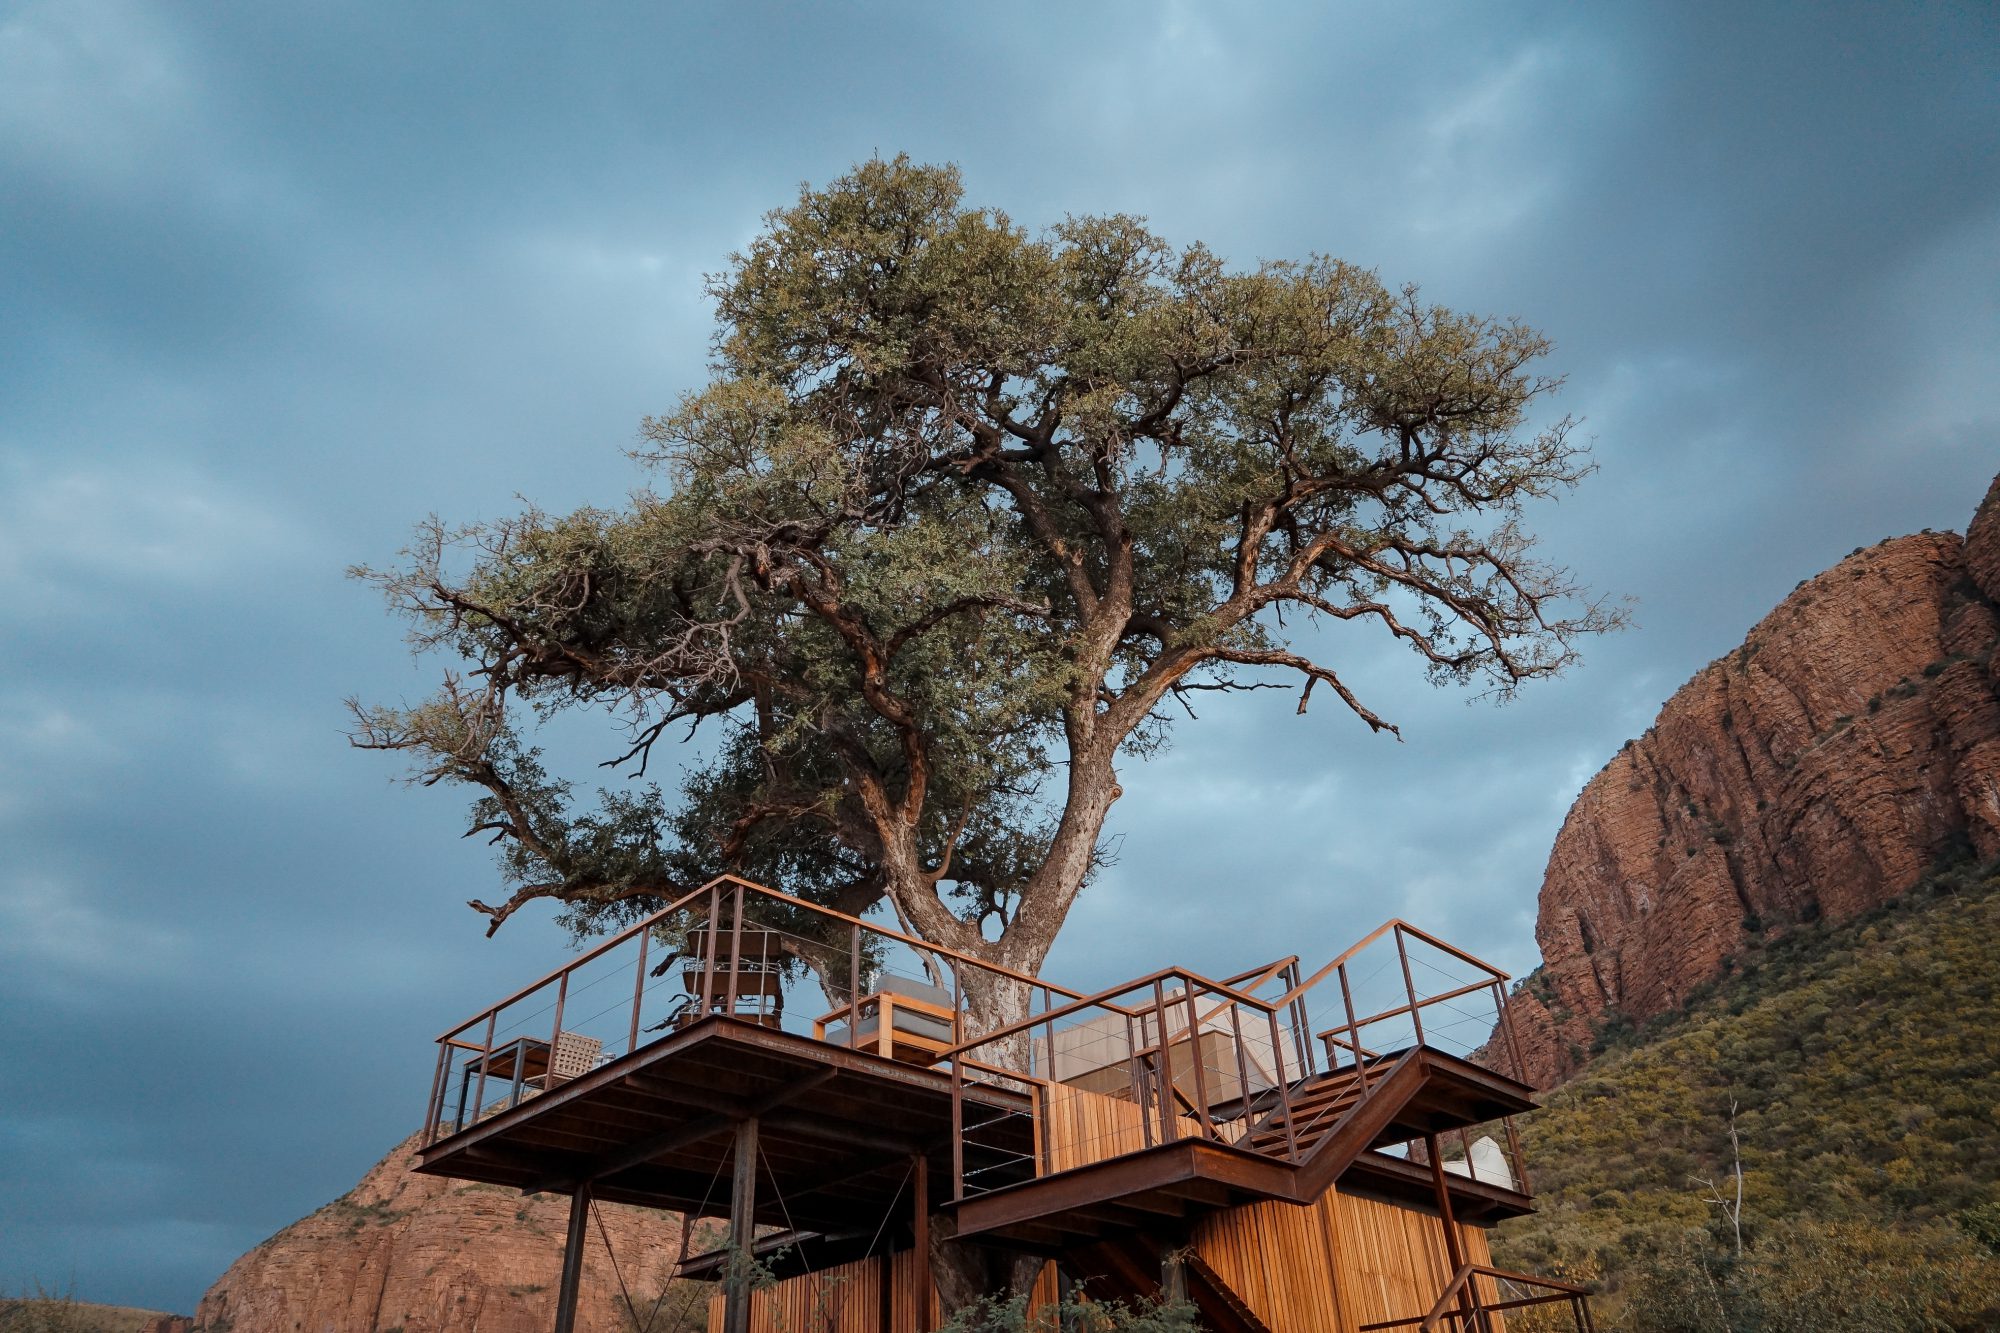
92, 90
70, 534
279, 281
55, 932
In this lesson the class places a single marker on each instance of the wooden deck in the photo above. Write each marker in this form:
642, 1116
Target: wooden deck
840, 1128
1109, 1129
1171, 1183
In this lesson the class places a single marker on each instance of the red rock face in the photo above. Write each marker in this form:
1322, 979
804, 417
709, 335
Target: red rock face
1817, 770
425, 1255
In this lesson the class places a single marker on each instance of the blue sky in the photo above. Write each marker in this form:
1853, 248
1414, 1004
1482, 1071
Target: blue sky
277, 281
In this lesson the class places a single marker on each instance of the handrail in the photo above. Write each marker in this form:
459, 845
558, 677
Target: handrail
577, 961
1254, 977
1404, 1008
1393, 923
1103, 997
1102, 1000
681, 902
1428, 1321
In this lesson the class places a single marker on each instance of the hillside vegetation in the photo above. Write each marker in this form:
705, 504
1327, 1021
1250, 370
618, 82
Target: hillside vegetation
41, 1311
1863, 1065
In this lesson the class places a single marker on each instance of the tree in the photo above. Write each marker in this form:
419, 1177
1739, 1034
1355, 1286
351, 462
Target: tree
963, 515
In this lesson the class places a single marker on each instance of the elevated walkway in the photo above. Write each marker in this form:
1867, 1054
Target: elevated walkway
1329, 1127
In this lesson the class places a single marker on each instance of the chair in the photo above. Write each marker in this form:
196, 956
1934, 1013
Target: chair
746, 981
903, 1020
574, 1056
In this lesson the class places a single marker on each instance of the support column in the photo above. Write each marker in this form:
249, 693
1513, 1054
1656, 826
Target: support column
742, 1228
920, 1229
572, 1262
1454, 1252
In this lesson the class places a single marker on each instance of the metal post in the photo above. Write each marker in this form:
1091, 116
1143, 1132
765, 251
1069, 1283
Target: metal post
548, 1075
1284, 1091
920, 1227
572, 1262
1301, 1028
1242, 1062
1453, 1251
1514, 1151
638, 990
1200, 1061
1353, 1030
957, 1128
854, 987
1138, 1082
1170, 1120
708, 959
742, 1228
735, 952
1048, 1037
1409, 985
486, 1058
1507, 1030
434, 1108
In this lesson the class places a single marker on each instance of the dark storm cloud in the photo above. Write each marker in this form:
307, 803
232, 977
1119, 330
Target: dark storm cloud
278, 281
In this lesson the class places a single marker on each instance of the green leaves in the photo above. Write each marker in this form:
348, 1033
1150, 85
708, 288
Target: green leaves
962, 513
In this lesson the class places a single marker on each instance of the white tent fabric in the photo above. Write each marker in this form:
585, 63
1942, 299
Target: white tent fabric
1486, 1163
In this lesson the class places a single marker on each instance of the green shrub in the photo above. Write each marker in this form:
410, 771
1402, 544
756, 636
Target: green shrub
1074, 1315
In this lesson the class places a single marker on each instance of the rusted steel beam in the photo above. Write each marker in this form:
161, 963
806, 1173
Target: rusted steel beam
736, 1293
707, 1127
638, 990
1409, 986
572, 1260
920, 1225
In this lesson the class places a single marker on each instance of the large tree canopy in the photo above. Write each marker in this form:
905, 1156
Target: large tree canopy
964, 512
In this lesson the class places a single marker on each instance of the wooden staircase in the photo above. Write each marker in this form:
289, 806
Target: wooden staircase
1315, 1108
1128, 1269
1333, 1118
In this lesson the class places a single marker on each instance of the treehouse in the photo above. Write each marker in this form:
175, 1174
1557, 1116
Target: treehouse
1290, 1150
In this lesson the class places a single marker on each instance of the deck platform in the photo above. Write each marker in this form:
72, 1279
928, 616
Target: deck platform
840, 1128
1171, 1182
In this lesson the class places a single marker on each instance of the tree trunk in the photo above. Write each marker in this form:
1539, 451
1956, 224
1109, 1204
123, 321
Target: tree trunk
965, 1270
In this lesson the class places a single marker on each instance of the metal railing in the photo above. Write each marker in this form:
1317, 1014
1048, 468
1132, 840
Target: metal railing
1242, 1061
1467, 1305
1254, 1060
732, 948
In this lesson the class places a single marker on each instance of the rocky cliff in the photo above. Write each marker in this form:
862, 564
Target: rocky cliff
1818, 770
416, 1254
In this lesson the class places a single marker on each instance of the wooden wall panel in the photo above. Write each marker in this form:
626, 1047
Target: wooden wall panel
1338, 1264
1084, 1127
844, 1299
1335, 1264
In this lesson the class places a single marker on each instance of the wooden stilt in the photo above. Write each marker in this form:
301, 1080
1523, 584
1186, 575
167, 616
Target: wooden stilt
742, 1228
572, 1262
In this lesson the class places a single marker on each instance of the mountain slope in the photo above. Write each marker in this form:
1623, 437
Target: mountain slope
1816, 771
417, 1254
1863, 1060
